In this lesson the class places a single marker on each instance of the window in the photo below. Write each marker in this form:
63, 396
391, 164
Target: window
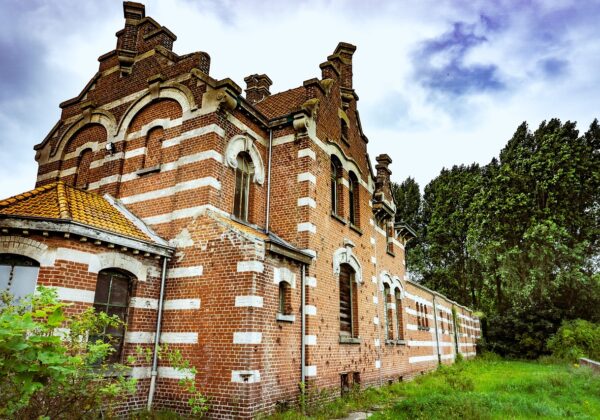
426, 317
336, 174
348, 321
154, 140
285, 307
389, 234
388, 313
82, 176
422, 319
18, 275
112, 297
243, 173
399, 323
353, 201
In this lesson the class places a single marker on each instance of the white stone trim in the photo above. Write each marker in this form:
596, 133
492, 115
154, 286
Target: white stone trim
75, 295
183, 214
375, 300
377, 364
418, 299
139, 337
99, 262
197, 132
179, 337
182, 272
310, 310
208, 181
241, 143
245, 376
376, 320
372, 241
250, 301
307, 201
419, 359
141, 372
307, 227
143, 303
250, 266
247, 337
168, 372
284, 274
310, 340
412, 327
310, 281
346, 256
310, 370
373, 279
373, 260
310, 252
377, 342
181, 304
307, 153
307, 176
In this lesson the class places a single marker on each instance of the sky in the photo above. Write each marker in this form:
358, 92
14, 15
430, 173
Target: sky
440, 83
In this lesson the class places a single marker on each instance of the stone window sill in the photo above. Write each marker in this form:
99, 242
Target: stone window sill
390, 342
350, 340
339, 219
424, 328
285, 318
391, 253
356, 228
401, 342
149, 170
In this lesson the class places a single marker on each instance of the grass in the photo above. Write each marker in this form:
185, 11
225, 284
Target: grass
479, 389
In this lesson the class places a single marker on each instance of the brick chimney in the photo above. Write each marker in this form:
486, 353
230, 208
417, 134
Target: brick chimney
342, 58
127, 37
257, 87
383, 171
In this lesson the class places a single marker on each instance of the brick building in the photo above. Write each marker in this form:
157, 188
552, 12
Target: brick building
253, 224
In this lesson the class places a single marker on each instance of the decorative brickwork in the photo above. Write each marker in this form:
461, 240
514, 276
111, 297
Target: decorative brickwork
160, 139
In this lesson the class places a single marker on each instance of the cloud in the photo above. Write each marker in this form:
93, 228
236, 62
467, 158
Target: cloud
440, 63
554, 67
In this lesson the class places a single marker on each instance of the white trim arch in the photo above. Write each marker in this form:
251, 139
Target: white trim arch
108, 260
100, 117
241, 143
345, 256
26, 247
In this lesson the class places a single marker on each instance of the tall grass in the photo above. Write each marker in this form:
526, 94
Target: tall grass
479, 389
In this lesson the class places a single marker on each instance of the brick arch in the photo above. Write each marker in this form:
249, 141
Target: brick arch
97, 117
177, 92
26, 247
117, 260
155, 113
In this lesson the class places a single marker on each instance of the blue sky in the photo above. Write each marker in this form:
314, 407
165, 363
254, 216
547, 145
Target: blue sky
440, 83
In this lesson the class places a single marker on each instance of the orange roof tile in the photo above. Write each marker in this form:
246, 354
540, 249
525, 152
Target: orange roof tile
63, 202
281, 104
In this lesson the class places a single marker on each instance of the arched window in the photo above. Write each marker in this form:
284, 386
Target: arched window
335, 175
285, 304
388, 313
154, 140
82, 176
348, 302
18, 275
112, 297
353, 200
243, 174
399, 317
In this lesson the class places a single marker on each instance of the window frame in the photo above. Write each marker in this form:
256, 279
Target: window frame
18, 260
347, 270
242, 183
83, 172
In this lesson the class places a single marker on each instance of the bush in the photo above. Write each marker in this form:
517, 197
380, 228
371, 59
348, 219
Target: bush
575, 339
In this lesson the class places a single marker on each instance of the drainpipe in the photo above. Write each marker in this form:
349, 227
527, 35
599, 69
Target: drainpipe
437, 337
163, 277
269, 182
303, 327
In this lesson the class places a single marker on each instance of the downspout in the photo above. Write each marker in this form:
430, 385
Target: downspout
303, 328
269, 183
437, 337
163, 277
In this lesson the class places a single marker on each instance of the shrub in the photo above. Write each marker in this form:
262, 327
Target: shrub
575, 339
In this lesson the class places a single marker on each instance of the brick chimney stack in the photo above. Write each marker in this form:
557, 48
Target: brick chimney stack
342, 58
383, 170
257, 87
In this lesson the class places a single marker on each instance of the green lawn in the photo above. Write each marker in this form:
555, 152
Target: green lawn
476, 390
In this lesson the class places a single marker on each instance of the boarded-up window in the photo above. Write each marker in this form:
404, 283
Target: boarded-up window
285, 304
82, 176
112, 297
154, 140
18, 275
243, 173
335, 177
388, 312
399, 318
353, 191
347, 301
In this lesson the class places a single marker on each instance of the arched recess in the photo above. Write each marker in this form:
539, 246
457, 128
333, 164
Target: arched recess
177, 92
345, 256
25, 246
239, 144
116, 260
98, 116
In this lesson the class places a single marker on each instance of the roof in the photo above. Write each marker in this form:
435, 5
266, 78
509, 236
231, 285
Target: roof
281, 104
58, 201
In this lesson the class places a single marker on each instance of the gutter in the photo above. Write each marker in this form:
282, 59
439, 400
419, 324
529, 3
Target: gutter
269, 182
437, 337
303, 329
163, 277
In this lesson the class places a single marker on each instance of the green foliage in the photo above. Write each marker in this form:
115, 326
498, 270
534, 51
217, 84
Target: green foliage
519, 238
575, 339
479, 389
48, 368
